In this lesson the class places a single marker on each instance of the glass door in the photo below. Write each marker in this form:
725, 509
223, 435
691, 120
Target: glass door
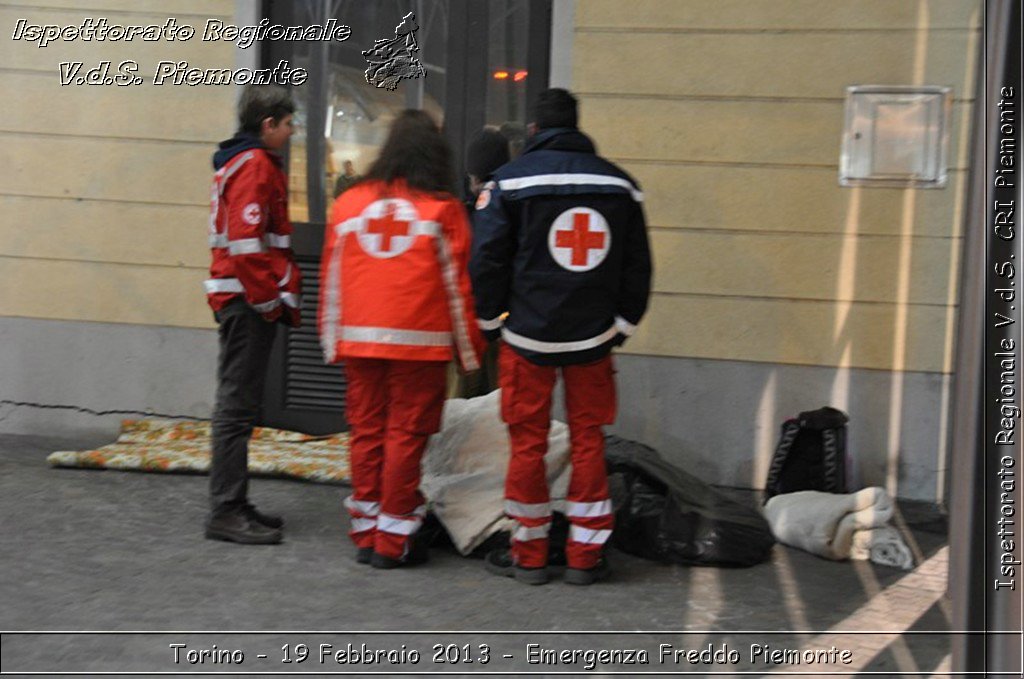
343, 120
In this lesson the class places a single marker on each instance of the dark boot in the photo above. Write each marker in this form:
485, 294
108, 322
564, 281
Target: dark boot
417, 552
499, 562
268, 520
588, 576
237, 527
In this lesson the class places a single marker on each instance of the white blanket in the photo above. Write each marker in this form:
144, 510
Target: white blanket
838, 526
465, 465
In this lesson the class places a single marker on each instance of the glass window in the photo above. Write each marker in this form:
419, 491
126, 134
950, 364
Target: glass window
357, 114
507, 69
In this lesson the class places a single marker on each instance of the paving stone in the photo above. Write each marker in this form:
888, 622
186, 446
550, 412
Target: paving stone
116, 551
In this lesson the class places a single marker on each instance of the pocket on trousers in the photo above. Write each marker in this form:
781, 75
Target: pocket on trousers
594, 386
422, 403
525, 389
427, 418
507, 383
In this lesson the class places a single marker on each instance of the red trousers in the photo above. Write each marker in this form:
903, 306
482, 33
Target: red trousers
526, 409
393, 408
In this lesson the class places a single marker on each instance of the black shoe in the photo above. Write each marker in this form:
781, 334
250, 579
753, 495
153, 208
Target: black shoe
588, 576
268, 520
237, 527
499, 561
416, 555
364, 555
385, 562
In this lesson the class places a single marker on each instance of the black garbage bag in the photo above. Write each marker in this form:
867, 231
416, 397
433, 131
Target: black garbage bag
665, 514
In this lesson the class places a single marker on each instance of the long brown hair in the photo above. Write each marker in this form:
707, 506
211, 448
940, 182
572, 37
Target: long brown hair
415, 151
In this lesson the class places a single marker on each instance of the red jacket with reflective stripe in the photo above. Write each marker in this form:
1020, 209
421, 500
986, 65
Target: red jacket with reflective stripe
394, 282
250, 237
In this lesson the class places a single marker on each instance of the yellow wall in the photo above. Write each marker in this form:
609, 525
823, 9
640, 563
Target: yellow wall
104, 191
729, 113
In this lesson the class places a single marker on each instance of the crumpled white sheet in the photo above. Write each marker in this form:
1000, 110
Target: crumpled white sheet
465, 465
839, 526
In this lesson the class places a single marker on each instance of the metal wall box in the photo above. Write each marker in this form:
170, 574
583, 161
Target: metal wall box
896, 136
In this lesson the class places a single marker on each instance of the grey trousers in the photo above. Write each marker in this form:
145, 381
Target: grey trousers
245, 343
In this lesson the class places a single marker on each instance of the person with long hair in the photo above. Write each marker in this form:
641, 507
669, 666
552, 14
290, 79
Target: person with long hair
396, 307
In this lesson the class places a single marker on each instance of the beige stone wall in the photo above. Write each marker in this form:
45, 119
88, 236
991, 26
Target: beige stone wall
104, 191
729, 113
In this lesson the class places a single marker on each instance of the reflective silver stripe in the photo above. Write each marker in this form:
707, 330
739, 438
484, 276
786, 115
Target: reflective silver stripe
456, 307
351, 225
274, 240
218, 240
624, 326
425, 228
233, 168
492, 324
557, 347
537, 510
588, 509
527, 533
287, 276
331, 300
570, 180
290, 299
418, 338
418, 227
398, 525
360, 525
362, 506
246, 246
215, 285
588, 536
264, 307
214, 202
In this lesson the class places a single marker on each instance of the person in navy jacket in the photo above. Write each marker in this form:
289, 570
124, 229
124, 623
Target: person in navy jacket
561, 271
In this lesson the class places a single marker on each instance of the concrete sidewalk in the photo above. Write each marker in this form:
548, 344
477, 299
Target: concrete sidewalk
115, 551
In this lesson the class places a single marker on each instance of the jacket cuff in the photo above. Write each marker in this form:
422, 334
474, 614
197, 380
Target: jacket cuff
491, 328
624, 327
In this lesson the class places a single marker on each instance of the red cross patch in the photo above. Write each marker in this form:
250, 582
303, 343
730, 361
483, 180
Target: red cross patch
387, 229
579, 239
251, 213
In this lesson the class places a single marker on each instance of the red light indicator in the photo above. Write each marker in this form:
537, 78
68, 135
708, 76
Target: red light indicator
519, 76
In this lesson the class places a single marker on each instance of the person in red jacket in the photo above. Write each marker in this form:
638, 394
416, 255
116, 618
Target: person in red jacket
254, 283
396, 306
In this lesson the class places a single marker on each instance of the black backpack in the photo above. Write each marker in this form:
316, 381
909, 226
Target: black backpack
811, 454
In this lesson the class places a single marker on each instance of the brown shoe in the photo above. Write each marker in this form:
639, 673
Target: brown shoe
268, 520
237, 527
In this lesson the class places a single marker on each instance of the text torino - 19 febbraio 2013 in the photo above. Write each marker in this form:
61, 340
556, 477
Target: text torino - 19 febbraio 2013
371, 655
175, 72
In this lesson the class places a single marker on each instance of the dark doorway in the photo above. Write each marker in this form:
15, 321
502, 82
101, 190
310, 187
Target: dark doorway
483, 61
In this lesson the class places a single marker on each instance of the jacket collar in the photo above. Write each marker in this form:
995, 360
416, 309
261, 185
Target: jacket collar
229, 148
560, 139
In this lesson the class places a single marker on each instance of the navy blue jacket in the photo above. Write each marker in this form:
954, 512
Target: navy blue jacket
560, 245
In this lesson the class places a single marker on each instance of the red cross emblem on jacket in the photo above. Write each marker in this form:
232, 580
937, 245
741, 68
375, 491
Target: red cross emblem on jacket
579, 239
388, 228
